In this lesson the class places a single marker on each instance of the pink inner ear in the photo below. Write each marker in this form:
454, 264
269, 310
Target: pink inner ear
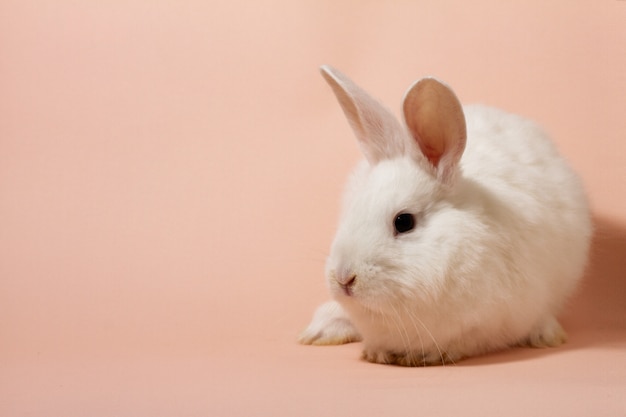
432, 154
429, 127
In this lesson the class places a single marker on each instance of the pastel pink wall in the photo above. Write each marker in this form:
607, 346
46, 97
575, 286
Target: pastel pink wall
170, 171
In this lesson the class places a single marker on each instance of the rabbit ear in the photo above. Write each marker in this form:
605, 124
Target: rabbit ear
436, 121
379, 133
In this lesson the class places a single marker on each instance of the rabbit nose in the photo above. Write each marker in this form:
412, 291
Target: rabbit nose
346, 281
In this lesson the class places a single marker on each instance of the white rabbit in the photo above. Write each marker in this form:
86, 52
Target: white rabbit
446, 251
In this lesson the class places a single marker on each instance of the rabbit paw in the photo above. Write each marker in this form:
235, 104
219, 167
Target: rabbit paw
330, 326
548, 333
407, 358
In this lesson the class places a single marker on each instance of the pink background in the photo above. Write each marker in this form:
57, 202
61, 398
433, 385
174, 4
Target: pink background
170, 173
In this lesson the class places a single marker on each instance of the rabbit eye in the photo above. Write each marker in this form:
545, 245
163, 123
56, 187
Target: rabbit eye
404, 222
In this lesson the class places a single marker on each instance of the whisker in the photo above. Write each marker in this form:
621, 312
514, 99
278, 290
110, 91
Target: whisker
442, 354
406, 339
419, 335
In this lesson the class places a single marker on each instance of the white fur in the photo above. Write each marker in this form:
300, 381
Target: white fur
498, 246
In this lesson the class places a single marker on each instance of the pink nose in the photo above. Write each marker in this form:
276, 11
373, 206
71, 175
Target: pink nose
344, 275
346, 281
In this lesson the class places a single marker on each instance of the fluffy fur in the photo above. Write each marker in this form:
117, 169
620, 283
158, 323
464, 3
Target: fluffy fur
501, 238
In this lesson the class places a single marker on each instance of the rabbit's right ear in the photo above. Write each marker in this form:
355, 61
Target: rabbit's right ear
379, 133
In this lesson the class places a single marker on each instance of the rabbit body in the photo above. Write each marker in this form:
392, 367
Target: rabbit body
494, 238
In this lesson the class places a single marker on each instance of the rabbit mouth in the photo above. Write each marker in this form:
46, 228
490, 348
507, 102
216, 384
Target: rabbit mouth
343, 290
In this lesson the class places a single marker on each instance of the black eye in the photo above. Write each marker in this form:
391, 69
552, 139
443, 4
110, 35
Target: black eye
404, 222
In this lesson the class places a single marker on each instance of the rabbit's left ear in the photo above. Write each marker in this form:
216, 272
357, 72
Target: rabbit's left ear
435, 119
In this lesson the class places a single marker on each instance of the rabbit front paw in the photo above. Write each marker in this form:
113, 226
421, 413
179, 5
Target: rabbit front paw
330, 326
